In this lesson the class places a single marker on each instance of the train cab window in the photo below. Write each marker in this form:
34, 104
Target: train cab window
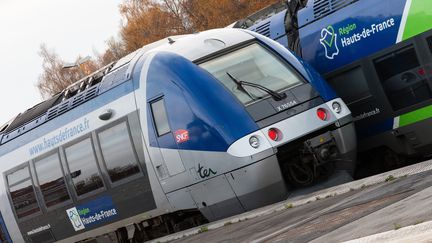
118, 152
22, 192
160, 117
254, 64
51, 180
83, 167
350, 85
402, 78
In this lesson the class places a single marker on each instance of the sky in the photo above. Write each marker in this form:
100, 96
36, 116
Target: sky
70, 27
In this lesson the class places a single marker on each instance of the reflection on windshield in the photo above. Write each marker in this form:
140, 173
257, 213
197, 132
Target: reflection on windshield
252, 64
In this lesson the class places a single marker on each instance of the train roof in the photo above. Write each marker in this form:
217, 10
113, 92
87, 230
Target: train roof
192, 47
260, 15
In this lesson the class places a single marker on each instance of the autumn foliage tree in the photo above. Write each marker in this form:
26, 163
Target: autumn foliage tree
151, 20
146, 21
211, 14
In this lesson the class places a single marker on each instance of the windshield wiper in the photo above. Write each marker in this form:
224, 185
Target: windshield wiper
276, 96
240, 86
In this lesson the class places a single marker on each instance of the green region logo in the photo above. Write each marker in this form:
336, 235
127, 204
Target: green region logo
84, 211
329, 41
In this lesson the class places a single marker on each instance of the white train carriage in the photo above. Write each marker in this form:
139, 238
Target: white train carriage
184, 130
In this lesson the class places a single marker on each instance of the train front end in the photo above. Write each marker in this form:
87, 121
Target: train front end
249, 119
301, 123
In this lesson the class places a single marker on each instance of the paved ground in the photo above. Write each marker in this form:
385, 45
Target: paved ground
382, 203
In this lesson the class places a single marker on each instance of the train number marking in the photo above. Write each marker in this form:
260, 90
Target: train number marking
203, 173
287, 105
181, 136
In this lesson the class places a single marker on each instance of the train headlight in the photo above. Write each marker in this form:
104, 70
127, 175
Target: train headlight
254, 142
337, 107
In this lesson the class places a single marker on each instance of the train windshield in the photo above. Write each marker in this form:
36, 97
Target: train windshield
253, 64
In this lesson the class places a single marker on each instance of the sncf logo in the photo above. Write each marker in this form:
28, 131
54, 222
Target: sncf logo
329, 41
181, 136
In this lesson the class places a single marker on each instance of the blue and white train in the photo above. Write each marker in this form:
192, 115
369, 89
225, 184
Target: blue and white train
183, 131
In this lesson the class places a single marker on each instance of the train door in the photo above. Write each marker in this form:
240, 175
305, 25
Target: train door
4, 235
171, 163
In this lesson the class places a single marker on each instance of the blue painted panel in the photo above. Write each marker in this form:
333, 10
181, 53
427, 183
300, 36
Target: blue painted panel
4, 230
273, 27
277, 25
355, 31
196, 102
309, 73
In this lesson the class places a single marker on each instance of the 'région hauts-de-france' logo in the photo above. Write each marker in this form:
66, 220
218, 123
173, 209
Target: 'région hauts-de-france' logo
329, 41
350, 34
92, 213
75, 219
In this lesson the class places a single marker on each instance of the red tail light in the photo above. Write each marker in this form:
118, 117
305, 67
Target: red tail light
322, 114
422, 72
273, 134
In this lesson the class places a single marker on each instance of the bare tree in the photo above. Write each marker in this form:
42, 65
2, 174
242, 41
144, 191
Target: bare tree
177, 11
55, 77
114, 52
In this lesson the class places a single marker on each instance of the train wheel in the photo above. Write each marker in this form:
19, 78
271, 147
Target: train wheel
306, 174
300, 174
324, 171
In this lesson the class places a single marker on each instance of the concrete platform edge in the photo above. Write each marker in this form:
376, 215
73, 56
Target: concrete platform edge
414, 233
301, 200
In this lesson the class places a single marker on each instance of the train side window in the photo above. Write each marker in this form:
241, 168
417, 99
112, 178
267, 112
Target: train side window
51, 180
83, 168
160, 117
402, 79
22, 192
118, 152
351, 85
45, 237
